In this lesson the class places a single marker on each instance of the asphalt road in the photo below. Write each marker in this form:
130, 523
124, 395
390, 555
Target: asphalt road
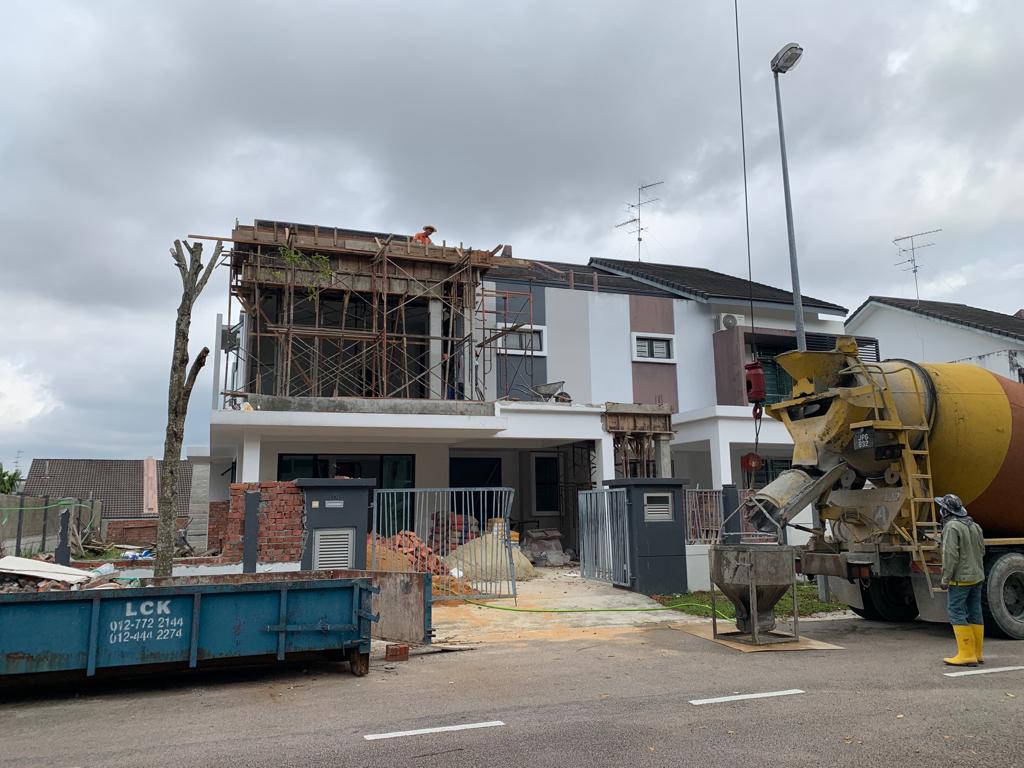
588, 701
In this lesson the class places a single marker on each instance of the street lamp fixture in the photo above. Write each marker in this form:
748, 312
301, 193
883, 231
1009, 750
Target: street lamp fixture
784, 61
787, 58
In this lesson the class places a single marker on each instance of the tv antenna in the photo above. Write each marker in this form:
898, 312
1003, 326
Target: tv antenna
912, 250
638, 206
17, 460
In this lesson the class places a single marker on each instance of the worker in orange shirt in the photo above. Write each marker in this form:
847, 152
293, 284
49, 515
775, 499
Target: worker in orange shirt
424, 236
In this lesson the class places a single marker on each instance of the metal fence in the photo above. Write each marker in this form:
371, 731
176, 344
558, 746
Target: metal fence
604, 536
29, 524
459, 535
704, 517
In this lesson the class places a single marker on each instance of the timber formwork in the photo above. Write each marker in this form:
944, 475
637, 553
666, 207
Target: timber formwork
641, 434
328, 312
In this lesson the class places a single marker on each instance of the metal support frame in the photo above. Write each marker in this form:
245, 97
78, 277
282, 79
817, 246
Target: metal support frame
379, 279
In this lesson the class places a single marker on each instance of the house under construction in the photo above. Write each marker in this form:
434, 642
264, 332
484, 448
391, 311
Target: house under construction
367, 354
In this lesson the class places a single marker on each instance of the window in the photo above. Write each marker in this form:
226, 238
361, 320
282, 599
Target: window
654, 348
778, 385
526, 340
390, 471
545, 486
769, 472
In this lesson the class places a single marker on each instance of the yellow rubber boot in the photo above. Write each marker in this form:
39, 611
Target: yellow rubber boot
979, 640
966, 655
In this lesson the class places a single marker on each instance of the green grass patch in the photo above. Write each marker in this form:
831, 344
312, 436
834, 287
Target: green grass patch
699, 603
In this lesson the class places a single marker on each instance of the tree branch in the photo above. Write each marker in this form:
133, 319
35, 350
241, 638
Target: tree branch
179, 259
195, 261
210, 267
193, 374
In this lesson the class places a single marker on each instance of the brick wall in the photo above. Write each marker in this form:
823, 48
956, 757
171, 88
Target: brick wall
218, 524
281, 522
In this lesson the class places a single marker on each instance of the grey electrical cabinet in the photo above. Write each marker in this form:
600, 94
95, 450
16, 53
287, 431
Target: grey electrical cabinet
337, 522
657, 534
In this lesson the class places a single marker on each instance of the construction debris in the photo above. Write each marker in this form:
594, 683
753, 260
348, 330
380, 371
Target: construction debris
543, 546
486, 558
406, 552
419, 555
39, 569
396, 652
23, 574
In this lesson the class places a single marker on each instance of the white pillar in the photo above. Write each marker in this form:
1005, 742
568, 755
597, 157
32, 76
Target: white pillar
664, 455
251, 457
604, 459
435, 379
721, 460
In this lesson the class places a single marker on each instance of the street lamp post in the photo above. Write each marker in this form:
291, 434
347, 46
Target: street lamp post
784, 61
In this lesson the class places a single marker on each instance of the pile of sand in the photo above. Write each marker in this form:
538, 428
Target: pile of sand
485, 558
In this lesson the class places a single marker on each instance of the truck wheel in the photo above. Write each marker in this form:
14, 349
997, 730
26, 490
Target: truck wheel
892, 598
1002, 598
869, 611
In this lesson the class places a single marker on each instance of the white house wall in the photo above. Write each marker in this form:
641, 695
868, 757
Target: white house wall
1005, 362
695, 353
570, 341
904, 334
611, 374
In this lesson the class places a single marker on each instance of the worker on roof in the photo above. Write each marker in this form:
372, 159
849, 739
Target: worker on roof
963, 574
424, 236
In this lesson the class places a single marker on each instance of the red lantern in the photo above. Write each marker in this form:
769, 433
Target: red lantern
755, 383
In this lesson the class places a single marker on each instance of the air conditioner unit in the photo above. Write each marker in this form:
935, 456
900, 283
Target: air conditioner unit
728, 320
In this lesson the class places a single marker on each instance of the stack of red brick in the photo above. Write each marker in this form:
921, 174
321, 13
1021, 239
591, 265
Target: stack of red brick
281, 522
419, 555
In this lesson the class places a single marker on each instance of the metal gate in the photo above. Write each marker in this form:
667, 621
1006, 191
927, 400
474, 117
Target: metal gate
458, 535
604, 536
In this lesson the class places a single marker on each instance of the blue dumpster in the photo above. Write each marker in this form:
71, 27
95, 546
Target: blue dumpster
187, 621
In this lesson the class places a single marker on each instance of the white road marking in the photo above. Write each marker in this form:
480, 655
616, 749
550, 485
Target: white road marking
744, 696
440, 729
981, 671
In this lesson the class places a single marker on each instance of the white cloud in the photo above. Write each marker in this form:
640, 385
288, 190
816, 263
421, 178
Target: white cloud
896, 62
23, 396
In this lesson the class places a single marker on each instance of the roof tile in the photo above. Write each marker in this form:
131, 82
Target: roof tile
706, 284
117, 483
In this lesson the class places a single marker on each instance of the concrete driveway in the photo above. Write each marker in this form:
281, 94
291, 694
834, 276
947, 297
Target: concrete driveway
558, 605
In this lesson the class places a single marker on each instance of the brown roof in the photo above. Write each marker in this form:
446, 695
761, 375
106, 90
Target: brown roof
117, 483
707, 285
998, 323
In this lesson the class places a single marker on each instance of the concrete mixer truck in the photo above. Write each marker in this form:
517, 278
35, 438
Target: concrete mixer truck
874, 443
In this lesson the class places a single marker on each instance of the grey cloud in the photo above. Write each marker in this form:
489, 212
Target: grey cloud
126, 125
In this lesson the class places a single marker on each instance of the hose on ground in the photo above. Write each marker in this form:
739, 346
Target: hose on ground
672, 607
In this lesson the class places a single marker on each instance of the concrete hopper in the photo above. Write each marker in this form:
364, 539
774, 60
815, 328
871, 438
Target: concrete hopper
754, 577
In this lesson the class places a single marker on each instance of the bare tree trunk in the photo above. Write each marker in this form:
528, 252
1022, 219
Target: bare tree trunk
182, 379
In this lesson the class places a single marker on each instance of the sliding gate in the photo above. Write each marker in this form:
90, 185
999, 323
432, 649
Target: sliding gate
604, 536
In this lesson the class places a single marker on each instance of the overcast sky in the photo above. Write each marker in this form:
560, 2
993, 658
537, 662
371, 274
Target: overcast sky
125, 125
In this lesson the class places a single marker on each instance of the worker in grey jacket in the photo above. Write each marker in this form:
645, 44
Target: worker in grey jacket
963, 573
